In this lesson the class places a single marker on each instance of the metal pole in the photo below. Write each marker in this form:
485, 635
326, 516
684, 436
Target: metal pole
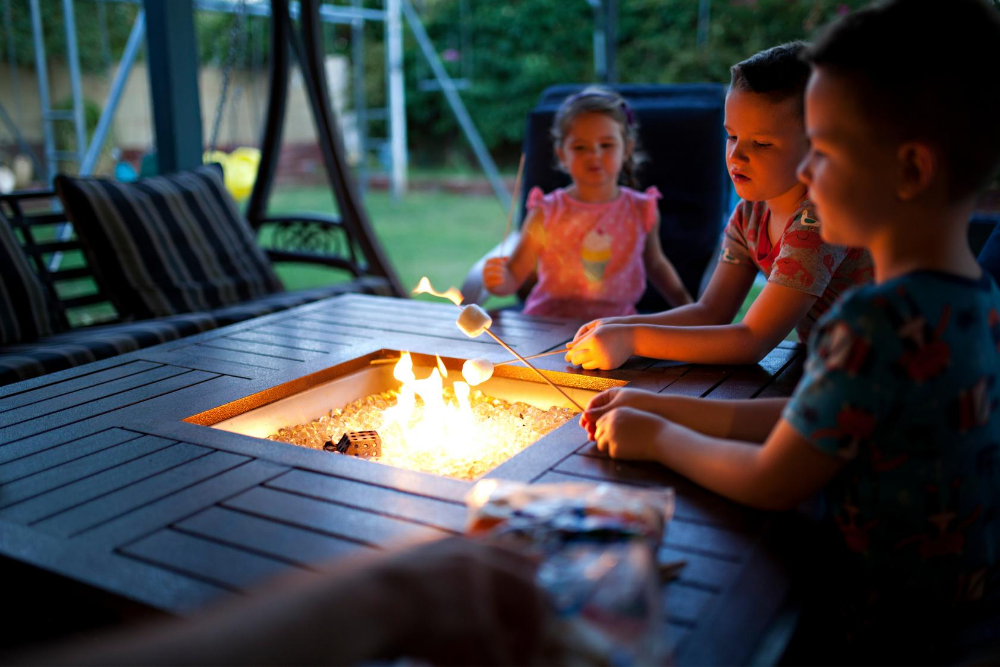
457, 107
610, 40
600, 41
396, 96
73, 55
114, 95
360, 101
704, 12
8, 21
42, 73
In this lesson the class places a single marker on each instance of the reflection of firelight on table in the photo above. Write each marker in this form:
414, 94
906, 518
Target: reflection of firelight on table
425, 426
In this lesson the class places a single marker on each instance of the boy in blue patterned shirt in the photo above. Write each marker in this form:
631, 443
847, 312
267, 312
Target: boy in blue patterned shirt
896, 419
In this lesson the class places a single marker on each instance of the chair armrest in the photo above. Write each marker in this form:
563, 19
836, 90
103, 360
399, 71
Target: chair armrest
309, 238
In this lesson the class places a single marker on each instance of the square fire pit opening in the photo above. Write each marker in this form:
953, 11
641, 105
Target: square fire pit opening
423, 415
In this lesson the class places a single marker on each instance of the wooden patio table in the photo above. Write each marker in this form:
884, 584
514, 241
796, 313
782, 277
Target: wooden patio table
103, 482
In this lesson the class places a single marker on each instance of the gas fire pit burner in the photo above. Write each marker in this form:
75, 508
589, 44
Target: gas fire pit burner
452, 444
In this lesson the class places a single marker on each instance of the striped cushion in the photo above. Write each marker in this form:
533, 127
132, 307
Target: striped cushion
75, 348
24, 310
168, 244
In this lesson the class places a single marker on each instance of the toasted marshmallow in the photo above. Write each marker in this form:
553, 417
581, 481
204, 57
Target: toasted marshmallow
477, 371
474, 320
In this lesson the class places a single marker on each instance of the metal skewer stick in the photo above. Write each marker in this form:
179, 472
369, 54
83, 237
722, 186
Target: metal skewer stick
393, 360
540, 374
533, 356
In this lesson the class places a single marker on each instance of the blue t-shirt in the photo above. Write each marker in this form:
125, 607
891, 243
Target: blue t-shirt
902, 383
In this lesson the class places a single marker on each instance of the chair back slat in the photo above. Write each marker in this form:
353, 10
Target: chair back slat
45, 233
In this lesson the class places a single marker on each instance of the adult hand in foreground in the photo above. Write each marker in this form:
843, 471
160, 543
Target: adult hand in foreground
606, 347
452, 601
630, 434
467, 602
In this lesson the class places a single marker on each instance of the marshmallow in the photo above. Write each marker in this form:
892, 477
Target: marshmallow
474, 321
477, 371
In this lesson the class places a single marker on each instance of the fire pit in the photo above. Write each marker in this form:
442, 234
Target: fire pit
426, 418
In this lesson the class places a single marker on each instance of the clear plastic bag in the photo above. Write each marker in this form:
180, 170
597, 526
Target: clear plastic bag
597, 544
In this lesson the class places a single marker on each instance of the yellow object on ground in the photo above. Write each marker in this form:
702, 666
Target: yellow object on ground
239, 169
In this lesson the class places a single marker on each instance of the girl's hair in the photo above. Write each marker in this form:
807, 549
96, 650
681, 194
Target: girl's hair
778, 73
595, 99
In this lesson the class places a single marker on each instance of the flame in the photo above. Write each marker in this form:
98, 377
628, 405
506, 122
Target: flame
425, 287
443, 430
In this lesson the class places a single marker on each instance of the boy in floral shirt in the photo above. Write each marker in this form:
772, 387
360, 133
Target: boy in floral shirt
896, 420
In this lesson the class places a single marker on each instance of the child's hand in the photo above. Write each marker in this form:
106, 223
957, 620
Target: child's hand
590, 326
606, 401
606, 347
498, 278
630, 434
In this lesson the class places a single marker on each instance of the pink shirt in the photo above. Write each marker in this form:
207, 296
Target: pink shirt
591, 263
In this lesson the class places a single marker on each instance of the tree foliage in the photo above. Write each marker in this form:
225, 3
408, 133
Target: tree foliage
522, 46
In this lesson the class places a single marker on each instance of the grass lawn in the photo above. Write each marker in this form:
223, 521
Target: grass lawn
435, 234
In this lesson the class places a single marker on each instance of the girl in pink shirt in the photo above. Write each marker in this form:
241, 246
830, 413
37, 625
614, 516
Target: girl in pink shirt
594, 243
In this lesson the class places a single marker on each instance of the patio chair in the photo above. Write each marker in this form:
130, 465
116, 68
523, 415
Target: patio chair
681, 133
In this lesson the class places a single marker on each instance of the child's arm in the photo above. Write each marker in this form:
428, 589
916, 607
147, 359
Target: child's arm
773, 314
661, 272
504, 275
779, 475
751, 420
729, 285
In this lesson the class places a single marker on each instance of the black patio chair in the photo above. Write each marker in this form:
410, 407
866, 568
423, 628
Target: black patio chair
681, 133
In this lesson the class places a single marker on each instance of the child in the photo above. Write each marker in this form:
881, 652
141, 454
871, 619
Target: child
774, 229
896, 418
594, 242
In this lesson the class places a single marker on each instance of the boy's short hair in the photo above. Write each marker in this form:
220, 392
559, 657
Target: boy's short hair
778, 72
925, 70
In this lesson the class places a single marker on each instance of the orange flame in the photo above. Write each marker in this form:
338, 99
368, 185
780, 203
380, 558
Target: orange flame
425, 287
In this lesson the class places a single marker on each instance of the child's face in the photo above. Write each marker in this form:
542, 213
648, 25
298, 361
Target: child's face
593, 150
765, 143
849, 168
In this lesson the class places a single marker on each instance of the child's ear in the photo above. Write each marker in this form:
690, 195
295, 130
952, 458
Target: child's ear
918, 168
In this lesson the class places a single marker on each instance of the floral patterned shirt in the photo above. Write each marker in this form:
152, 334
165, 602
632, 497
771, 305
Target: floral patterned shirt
902, 383
800, 259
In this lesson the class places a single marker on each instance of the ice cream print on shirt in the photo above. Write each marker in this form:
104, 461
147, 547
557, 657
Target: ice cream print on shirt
595, 253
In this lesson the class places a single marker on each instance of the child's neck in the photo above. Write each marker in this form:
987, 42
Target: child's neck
594, 194
784, 205
936, 241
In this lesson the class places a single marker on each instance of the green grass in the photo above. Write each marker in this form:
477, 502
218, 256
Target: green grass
435, 234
